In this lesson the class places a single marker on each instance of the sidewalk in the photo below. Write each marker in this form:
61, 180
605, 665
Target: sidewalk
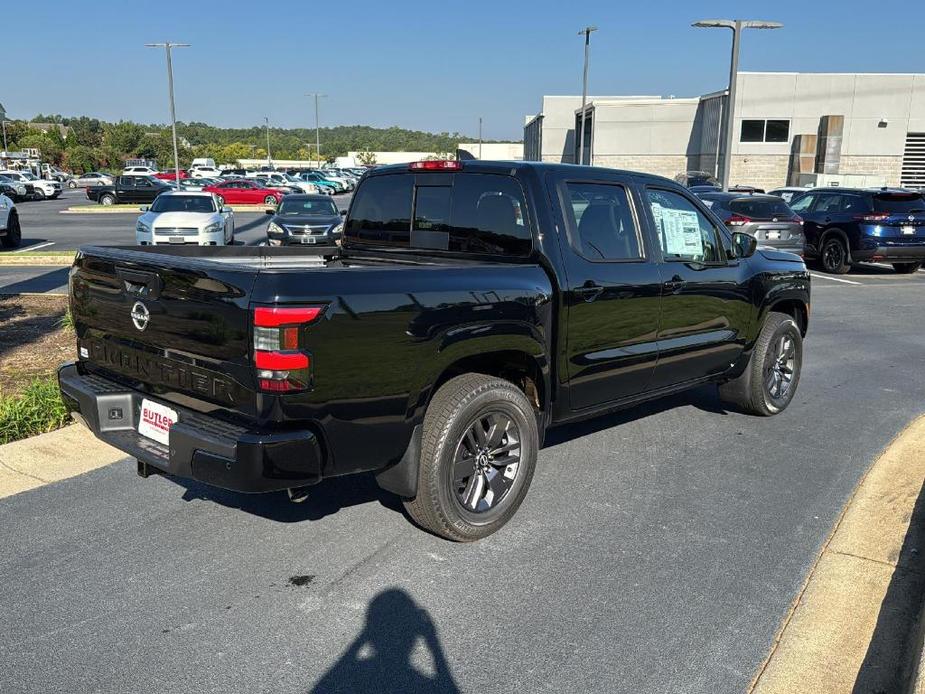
853, 627
37, 461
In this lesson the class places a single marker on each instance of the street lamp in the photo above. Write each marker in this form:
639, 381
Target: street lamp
736, 25
584, 90
317, 125
173, 114
269, 158
4, 122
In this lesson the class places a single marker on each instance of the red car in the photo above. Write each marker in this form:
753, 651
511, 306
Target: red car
169, 175
239, 191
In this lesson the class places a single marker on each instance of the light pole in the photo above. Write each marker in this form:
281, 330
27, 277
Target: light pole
584, 91
736, 25
269, 158
4, 122
168, 46
317, 125
480, 137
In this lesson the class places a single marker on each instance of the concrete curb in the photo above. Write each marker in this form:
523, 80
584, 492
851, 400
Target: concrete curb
46, 458
851, 626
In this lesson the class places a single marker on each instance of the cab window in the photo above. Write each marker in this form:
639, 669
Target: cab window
602, 222
684, 233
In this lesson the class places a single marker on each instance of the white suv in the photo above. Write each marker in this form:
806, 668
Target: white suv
43, 189
10, 234
138, 171
204, 172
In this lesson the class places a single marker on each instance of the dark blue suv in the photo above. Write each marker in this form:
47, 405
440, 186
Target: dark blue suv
844, 226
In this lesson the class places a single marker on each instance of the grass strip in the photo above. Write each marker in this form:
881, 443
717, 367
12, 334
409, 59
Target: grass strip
36, 410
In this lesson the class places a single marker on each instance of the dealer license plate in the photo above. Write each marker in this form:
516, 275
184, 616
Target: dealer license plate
308, 239
908, 229
177, 239
772, 235
155, 421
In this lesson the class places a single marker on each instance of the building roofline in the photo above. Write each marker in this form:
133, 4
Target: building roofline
873, 74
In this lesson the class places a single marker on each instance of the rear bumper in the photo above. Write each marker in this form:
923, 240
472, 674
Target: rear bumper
202, 447
900, 252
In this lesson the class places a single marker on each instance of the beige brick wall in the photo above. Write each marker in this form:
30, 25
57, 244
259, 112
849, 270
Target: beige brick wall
668, 165
762, 171
888, 167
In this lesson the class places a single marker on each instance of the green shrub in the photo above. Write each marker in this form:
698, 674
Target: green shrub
37, 409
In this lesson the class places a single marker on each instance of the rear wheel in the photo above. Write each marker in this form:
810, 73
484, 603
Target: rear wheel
72, 184
834, 256
107, 199
770, 380
906, 268
478, 453
13, 236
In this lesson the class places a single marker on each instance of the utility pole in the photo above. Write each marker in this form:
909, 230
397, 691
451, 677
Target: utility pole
168, 46
736, 25
584, 90
269, 158
5, 149
317, 125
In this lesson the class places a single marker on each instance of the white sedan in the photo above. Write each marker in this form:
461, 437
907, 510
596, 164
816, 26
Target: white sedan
185, 217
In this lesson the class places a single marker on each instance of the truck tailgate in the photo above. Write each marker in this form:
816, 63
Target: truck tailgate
166, 324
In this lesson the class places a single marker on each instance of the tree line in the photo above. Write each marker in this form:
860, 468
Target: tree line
92, 144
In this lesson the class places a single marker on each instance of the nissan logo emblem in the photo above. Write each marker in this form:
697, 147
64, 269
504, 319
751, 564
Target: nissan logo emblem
140, 315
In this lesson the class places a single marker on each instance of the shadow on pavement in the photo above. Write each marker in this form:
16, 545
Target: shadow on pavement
39, 284
324, 499
703, 398
381, 658
890, 657
24, 245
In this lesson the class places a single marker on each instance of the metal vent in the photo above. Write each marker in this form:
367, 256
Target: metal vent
913, 171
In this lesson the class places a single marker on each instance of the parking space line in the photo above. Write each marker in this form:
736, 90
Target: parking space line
834, 279
32, 248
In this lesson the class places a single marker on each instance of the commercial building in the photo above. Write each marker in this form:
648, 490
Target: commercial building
494, 151
790, 128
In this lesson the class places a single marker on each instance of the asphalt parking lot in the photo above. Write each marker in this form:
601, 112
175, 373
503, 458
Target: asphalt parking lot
657, 551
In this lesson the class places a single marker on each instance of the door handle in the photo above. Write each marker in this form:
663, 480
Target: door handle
674, 284
589, 291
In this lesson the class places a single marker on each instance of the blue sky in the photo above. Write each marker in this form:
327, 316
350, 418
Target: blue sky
435, 65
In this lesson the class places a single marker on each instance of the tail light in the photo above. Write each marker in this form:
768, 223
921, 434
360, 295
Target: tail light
737, 220
874, 217
797, 219
282, 362
435, 165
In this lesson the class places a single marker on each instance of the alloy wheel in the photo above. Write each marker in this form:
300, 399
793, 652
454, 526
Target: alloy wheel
486, 462
778, 375
833, 255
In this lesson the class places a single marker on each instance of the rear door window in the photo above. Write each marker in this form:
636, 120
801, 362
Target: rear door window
603, 222
802, 204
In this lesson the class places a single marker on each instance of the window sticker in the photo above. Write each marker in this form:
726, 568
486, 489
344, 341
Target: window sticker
682, 232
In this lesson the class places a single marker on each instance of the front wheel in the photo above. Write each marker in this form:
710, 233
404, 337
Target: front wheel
39, 194
770, 380
72, 184
478, 453
906, 268
270, 200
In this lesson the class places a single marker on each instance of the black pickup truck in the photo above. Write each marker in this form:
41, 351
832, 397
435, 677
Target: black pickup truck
474, 305
128, 189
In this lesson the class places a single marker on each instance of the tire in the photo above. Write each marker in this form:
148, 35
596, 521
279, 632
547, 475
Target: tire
39, 194
107, 199
72, 184
270, 200
467, 508
906, 268
834, 256
13, 236
754, 390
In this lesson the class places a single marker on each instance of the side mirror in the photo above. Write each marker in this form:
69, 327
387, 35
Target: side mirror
343, 213
143, 208
271, 212
744, 244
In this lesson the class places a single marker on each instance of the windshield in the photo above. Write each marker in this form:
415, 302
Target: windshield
899, 203
29, 176
183, 203
312, 208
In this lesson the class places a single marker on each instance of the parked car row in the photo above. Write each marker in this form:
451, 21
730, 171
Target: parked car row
835, 227
23, 185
